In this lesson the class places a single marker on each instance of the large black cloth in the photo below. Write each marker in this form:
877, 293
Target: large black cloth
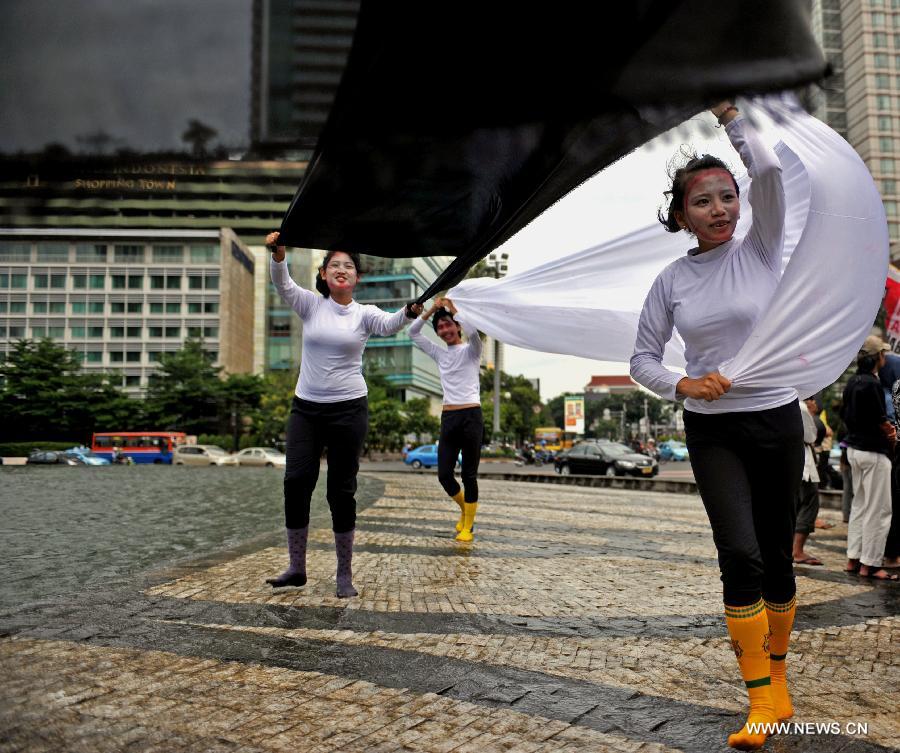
457, 123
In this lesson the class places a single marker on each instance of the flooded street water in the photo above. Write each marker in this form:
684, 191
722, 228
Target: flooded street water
65, 528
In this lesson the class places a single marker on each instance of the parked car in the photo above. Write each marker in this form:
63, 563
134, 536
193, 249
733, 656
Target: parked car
425, 456
835, 477
262, 456
202, 454
86, 456
672, 449
605, 459
51, 457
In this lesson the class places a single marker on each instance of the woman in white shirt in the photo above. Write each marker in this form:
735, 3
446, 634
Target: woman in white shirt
745, 444
462, 425
329, 408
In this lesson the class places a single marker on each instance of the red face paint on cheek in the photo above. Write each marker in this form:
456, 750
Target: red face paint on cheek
700, 175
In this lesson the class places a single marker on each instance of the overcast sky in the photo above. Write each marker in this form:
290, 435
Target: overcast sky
139, 69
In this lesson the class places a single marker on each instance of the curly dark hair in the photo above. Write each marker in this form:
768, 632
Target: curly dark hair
321, 285
679, 178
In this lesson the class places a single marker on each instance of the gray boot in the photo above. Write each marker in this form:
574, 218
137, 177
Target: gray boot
343, 545
295, 575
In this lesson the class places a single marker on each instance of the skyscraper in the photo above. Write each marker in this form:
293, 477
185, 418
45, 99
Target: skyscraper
861, 39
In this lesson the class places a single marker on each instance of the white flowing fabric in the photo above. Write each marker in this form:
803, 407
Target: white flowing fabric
836, 254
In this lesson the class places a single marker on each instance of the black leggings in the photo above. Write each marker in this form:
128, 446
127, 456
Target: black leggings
748, 468
460, 430
341, 427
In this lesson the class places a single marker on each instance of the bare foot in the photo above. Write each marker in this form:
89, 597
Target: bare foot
852, 566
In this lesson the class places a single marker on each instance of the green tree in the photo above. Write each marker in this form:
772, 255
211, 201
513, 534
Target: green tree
385, 425
241, 395
519, 401
187, 392
271, 414
46, 395
418, 419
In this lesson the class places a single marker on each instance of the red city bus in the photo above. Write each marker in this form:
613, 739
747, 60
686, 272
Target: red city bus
141, 446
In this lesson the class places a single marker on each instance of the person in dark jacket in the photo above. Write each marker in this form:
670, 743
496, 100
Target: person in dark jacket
870, 440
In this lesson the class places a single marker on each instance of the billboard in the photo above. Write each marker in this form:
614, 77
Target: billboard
574, 414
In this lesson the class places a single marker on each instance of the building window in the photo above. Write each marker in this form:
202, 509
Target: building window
76, 332
95, 307
173, 282
882, 102
211, 282
212, 332
195, 283
889, 187
117, 307
882, 81
18, 281
128, 254
132, 380
879, 39
95, 332
53, 252
884, 122
880, 60
133, 331
90, 252
57, 307
155, 331
98, 282
39, 307
117, 331
210, 307
153, 356
157, 282
135, 282
118, 282
156, 307
886, 144
2, 307
116, 356
79, 307
193, 331
205, 254
57, 333
173, 307
79, 282
16, 331
38, 331
887, 165
890, 208
17, 307
878, 20
133, 356
58, 282
168, 254
135, 307
195, 308
94, 356
41, 281
173, 331
15, 252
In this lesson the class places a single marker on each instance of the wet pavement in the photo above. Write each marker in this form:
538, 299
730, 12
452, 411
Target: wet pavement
579, 619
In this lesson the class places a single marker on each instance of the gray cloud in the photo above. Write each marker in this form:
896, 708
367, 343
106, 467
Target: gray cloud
138, 69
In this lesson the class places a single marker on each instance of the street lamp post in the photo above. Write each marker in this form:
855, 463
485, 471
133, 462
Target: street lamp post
498, 263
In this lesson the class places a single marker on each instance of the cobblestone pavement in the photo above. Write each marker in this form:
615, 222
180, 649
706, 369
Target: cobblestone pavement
579, 620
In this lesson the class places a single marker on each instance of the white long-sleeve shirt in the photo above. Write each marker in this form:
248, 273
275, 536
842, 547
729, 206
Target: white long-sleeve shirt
334, 337
459, 365
714, 299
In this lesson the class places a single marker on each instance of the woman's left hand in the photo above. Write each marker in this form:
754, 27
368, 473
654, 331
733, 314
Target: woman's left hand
448, 304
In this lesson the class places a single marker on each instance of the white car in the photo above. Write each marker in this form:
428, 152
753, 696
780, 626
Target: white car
202, 454
264, 456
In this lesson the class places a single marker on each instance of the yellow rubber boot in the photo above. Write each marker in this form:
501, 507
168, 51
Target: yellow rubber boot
460, 499
781, 620
469, 520
749, 630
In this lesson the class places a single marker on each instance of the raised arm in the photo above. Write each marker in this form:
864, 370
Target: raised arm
382, 323
419, 339
299, 299
766, 235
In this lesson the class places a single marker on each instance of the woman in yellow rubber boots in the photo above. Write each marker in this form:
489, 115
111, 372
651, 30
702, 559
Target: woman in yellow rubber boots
462, 425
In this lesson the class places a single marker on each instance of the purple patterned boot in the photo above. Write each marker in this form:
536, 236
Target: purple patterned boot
295, 575
343, 545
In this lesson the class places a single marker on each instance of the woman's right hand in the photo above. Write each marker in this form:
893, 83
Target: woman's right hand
710, 387
272, 244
